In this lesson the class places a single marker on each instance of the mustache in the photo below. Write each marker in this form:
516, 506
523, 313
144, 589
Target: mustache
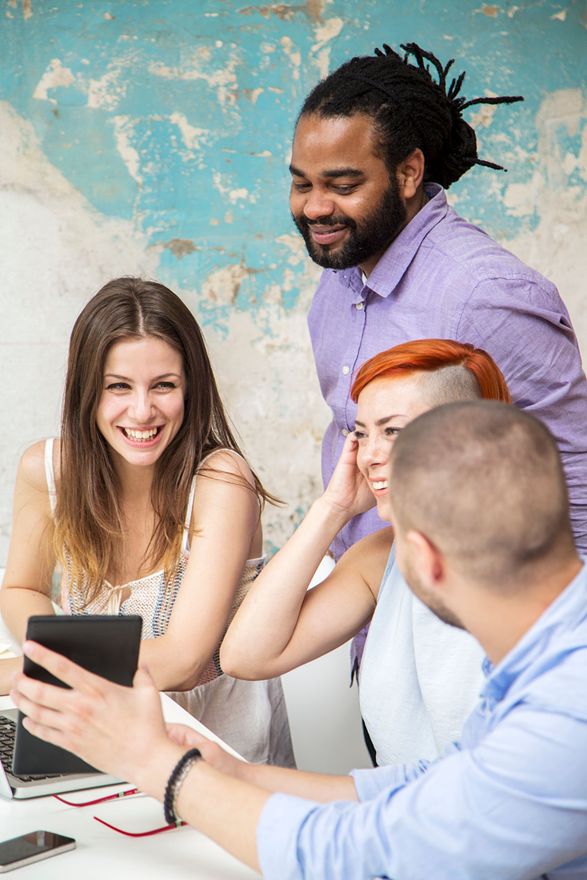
302, 222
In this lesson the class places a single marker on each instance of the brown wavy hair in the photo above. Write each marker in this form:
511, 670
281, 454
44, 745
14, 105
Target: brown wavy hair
89, 522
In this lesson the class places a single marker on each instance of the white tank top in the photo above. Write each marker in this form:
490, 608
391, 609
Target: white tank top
419, 679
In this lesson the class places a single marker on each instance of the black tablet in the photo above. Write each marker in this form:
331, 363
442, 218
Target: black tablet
105, 644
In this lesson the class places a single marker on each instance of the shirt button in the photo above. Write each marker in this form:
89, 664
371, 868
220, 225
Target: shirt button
346, 370
344, 432
360, 306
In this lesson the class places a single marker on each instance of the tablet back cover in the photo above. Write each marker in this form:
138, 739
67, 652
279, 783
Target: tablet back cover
107, 645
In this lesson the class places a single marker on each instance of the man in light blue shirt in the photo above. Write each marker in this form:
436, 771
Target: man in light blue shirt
483, 538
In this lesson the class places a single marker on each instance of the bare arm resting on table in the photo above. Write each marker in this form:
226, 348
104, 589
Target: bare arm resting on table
26, 587
280, 625
205, 596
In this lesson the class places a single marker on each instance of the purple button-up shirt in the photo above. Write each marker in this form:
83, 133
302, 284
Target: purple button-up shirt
445, 278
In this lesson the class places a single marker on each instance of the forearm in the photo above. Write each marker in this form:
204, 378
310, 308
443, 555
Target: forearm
267, 618
8, 669
320, 787
173, 666
222, 807
227, 808
17, 604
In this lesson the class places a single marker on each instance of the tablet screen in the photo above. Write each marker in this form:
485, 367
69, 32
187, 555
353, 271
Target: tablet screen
107, 645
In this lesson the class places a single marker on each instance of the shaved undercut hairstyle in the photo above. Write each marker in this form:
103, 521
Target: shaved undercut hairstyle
484, 483
410, 106
450, 371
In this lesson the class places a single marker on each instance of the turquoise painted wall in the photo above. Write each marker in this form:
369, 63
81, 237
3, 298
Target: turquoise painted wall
178, 114
167, 123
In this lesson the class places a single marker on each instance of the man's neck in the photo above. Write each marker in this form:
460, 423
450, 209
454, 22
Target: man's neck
413, 206
499, 621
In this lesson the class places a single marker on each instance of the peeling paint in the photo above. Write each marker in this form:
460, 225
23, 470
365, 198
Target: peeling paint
490, 11
252, 94
123, 128
191, 135
55, 76
281, 10
106, 92
294, 55
559, 16
180, 247
323, 63
286, 11
234, 194
222, 286
484, 116
327, 31
223, 80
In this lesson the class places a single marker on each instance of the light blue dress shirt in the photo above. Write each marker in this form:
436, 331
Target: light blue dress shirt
508, 802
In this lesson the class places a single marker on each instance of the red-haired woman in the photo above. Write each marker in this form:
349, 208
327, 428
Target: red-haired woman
419, 677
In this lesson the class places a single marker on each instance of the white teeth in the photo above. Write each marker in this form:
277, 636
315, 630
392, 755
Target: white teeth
380, 484
140, 435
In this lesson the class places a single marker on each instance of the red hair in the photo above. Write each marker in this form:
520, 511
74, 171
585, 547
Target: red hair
427, 355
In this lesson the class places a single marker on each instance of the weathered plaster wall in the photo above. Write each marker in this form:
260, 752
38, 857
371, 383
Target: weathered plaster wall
152, 137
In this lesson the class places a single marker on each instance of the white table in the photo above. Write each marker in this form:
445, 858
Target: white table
102, 854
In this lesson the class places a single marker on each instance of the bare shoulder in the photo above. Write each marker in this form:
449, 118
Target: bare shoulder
228, 463
369, 556
31, 468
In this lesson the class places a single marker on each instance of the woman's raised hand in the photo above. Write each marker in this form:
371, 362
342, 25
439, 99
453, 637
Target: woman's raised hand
348, 489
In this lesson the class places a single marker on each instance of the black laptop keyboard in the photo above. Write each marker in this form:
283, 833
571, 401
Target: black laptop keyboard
7, 738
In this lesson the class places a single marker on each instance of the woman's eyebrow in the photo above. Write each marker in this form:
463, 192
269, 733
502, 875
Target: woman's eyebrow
154, 379
382, 421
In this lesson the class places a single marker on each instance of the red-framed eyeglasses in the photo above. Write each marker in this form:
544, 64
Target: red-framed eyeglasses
112, 797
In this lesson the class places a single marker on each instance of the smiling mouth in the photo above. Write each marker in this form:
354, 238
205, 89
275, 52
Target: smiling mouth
140, 436
379, 485
327, 234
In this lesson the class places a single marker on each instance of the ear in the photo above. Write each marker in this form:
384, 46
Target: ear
428, 559
410, 174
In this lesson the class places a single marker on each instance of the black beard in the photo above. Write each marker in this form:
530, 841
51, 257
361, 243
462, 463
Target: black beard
372, 236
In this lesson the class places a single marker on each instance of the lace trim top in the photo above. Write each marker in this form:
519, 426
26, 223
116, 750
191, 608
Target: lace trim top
151, 596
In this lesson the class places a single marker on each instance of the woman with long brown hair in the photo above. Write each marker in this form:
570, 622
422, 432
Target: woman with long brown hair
419, 678
148, 507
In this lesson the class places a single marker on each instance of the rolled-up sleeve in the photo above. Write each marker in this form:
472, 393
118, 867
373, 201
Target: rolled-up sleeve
370, 783
514, 807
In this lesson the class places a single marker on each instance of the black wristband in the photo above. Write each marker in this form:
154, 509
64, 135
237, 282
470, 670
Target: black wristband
174, 782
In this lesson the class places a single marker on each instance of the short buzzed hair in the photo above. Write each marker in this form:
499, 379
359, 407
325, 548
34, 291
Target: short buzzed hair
484, 482
449, 384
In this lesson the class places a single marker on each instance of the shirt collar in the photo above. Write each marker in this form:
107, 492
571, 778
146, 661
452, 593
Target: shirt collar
570, 608
395, 260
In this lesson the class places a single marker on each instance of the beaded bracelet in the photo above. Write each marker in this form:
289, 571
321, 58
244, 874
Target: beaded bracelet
174, 783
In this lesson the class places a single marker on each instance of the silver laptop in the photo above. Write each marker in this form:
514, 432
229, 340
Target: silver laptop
12, 786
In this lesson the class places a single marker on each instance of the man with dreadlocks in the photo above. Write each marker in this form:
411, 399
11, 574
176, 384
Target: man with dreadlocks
376, 145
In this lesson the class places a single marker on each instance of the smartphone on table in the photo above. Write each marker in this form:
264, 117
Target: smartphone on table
32, 847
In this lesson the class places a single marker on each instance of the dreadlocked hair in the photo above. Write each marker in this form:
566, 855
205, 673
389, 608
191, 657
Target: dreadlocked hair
409, 107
